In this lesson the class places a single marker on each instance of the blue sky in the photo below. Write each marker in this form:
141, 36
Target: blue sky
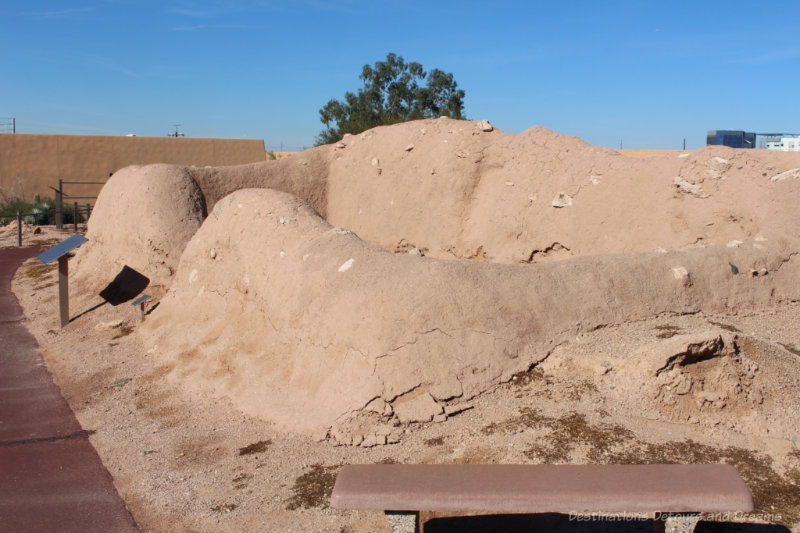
644, 73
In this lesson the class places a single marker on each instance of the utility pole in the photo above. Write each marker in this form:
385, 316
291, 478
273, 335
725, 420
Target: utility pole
176, 133
9, 126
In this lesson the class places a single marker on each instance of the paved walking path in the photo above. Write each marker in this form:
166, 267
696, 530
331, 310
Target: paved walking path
51, 478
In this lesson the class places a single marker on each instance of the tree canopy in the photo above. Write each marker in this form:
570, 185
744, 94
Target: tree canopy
392, 93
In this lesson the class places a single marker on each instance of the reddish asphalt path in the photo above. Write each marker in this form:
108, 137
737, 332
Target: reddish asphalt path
51, 478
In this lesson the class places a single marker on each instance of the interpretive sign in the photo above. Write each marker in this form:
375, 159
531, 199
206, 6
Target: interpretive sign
60, 251
140, 301
62, 248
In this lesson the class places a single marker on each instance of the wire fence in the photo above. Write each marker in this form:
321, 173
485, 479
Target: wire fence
60, 195
72, 215
49, 213
35, 218
47, 217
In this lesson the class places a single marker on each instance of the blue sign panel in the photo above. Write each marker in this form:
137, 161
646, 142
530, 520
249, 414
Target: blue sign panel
64, 247
141, 299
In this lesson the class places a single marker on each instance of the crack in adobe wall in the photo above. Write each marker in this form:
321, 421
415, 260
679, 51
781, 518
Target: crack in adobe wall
552, 249
783, 261
476, 178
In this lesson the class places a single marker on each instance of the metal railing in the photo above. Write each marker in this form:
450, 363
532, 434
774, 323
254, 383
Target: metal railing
60, 194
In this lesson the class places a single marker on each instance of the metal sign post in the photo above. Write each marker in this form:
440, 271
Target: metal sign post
140, 301
63, 290
60, 251
59, 204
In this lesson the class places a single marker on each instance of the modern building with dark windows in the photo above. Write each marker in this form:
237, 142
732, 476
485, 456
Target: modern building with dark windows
732, 138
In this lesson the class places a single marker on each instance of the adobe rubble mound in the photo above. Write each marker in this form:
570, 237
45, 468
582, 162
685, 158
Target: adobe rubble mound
309, 326
320, 291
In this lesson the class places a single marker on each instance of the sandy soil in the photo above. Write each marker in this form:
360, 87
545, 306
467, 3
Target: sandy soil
192, 462
640, 153
36, 235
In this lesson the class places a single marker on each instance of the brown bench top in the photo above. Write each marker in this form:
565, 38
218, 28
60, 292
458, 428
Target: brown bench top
542, 488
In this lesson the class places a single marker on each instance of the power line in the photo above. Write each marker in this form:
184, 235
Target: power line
9, 127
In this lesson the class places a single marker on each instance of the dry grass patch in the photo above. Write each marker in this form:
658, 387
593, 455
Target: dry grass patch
564, 434
772, 493
726, 327
613, 444
257, 447
667, 331
35, 269
313, 488
124, 331
436, 441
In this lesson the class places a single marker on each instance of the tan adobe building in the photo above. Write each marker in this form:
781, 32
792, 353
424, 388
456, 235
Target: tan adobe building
32, 163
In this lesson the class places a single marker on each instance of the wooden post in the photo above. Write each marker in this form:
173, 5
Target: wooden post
19, 229
63, 290
59, 204
75, 215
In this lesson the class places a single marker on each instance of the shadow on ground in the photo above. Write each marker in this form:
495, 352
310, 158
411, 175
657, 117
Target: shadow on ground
125, 286
519, 523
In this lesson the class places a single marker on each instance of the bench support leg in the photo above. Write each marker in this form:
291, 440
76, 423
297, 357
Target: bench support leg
403, 521
676, 522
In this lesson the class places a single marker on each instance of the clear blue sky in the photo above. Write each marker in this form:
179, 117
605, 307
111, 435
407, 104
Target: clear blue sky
644, 72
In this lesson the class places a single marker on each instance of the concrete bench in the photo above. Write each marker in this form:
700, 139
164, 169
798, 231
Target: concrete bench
673, 494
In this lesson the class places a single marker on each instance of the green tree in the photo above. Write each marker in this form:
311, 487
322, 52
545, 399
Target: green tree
392, 93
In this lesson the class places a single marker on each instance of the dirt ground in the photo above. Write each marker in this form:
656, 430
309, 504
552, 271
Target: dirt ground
187, 461
36, 235
640, 153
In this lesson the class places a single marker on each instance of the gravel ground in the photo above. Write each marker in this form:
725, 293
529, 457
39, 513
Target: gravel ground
185, 461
